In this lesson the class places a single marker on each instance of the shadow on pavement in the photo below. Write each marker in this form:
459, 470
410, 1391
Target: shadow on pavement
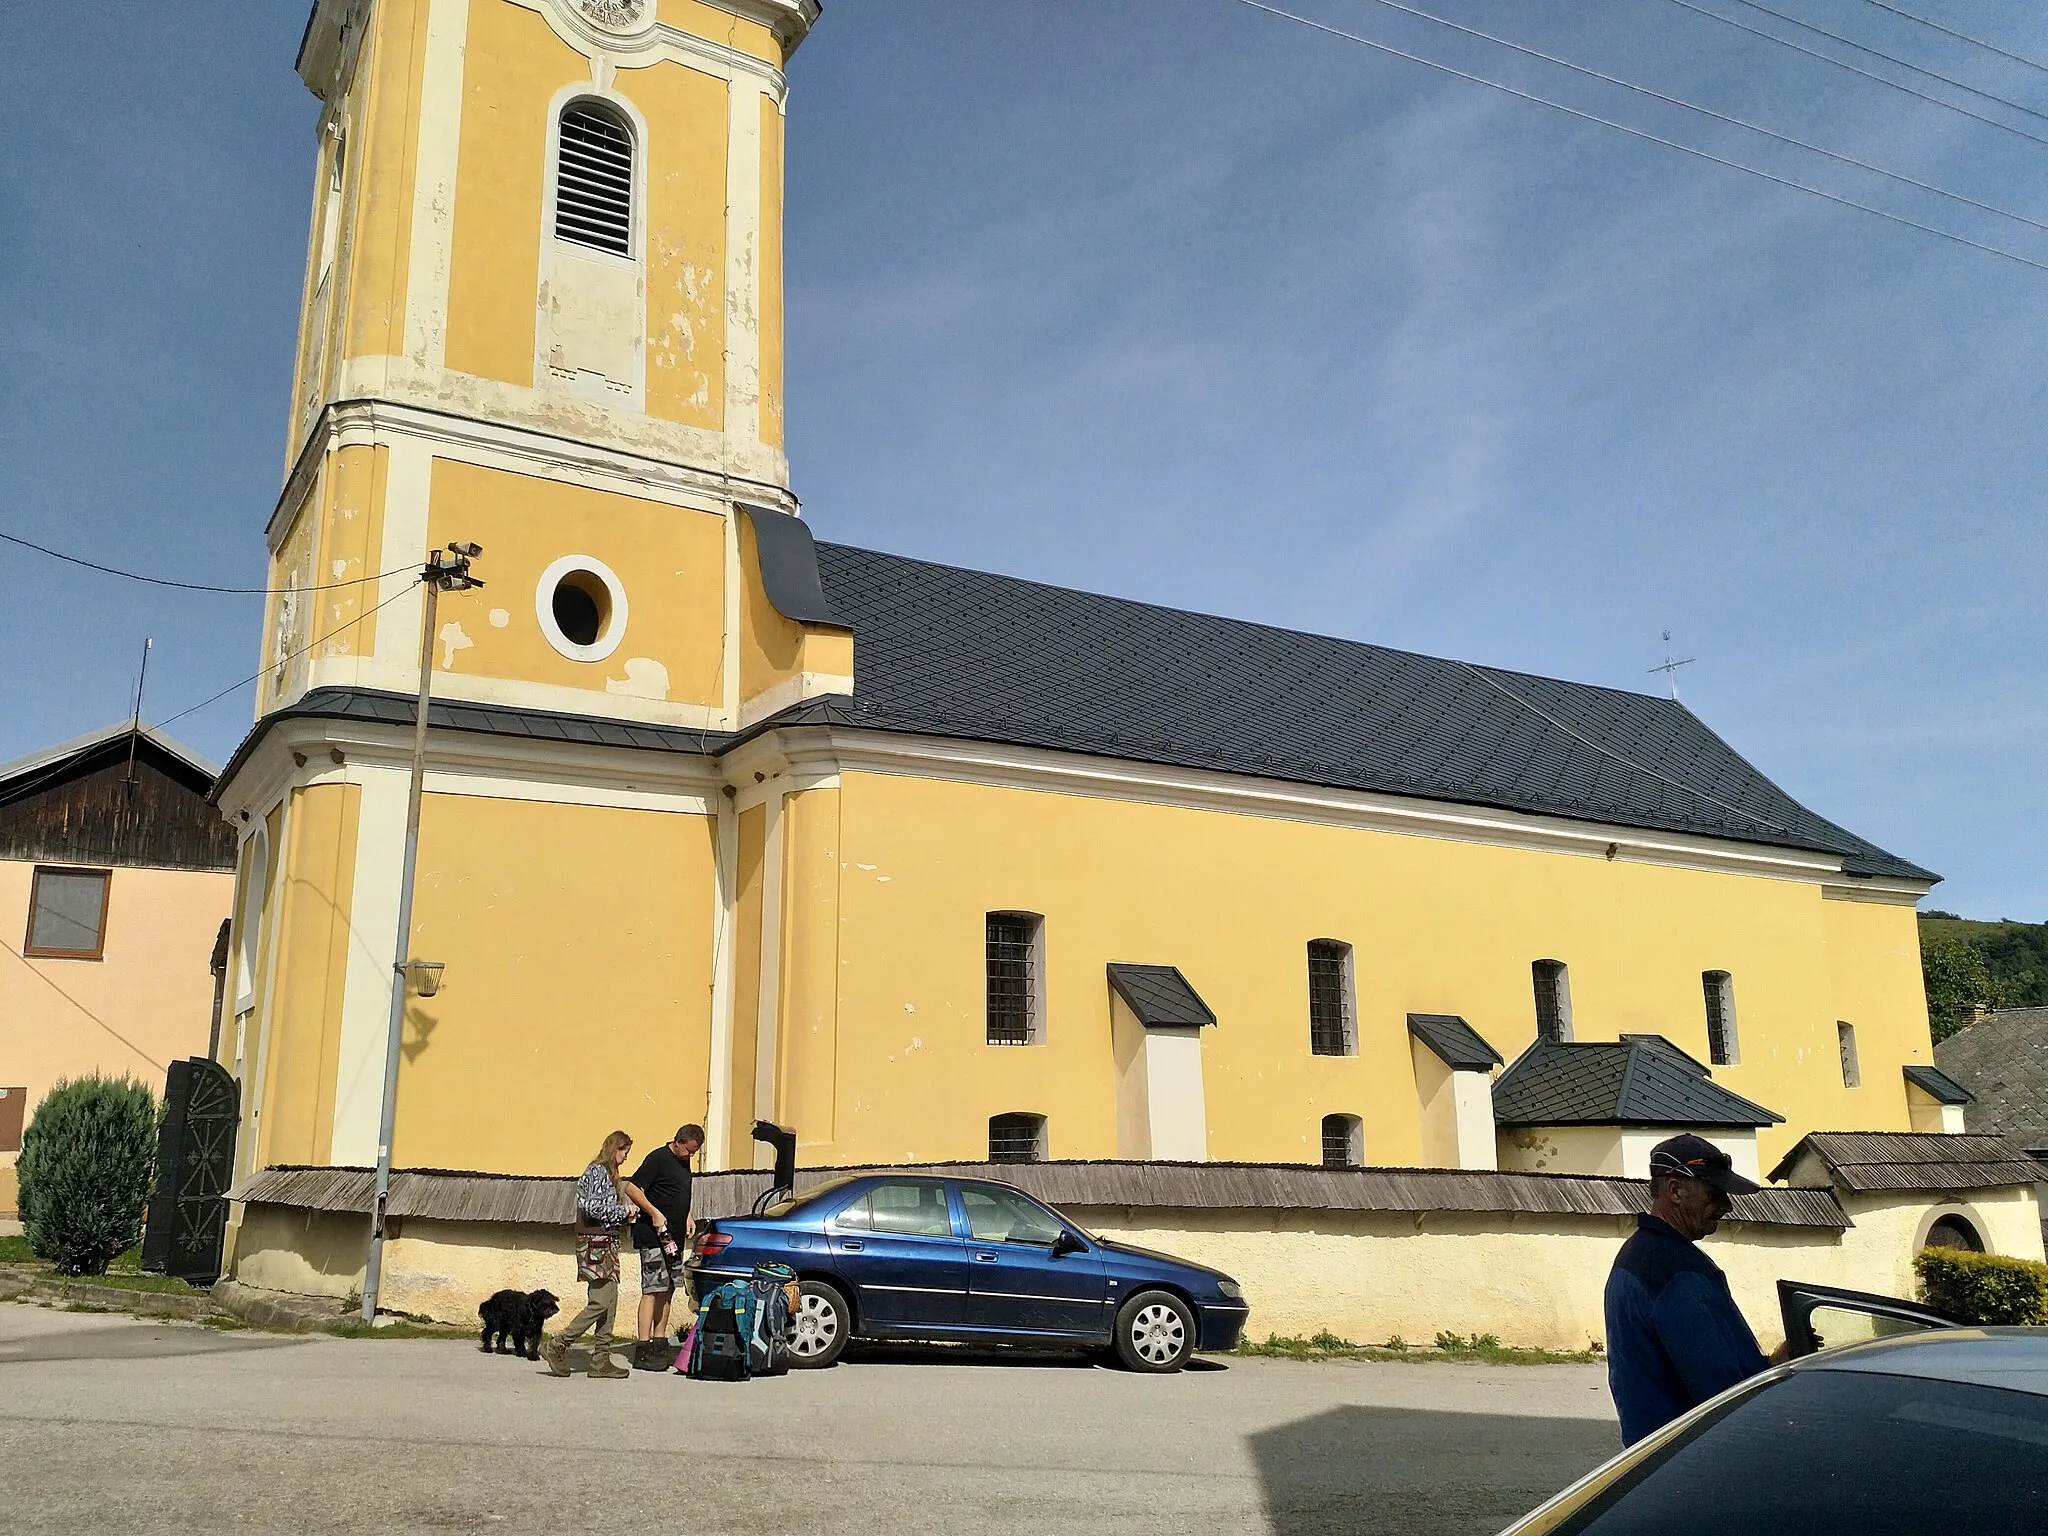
1417, 1472
128, 1342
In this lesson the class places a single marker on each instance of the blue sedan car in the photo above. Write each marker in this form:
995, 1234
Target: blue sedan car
891, 1256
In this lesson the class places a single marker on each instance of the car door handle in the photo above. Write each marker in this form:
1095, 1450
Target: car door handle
850, 1244
984, 1258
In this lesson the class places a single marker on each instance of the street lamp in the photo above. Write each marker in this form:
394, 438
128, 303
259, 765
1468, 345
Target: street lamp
445, 571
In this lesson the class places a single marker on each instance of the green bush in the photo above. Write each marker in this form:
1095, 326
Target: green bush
88, 1160
1983, 1287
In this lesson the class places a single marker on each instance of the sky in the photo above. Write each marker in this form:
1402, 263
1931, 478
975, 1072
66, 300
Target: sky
1182, 301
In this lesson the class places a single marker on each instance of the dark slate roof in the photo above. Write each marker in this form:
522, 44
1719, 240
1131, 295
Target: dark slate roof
1457, 1044
1934, 1081
384, 708
2003, 1060
1868, 1160
1159, 995
1635, 1082
949, 652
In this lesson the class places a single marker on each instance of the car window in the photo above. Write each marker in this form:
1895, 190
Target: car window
854, 1218
789, 1203
1835, 1326
909, 1210
1004, 1216
1838, 1451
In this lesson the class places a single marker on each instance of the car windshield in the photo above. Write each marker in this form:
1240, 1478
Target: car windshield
1823, 1451
789, 1203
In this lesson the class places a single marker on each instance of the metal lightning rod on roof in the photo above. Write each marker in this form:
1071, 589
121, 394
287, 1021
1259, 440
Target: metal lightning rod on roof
1670, 667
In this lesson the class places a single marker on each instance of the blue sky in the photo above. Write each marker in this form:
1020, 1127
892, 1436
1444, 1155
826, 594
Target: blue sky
1184, 302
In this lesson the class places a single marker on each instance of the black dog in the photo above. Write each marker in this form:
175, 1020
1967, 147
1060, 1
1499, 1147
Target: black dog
516, 1317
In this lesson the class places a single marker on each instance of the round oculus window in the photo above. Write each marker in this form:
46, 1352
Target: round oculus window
581, 607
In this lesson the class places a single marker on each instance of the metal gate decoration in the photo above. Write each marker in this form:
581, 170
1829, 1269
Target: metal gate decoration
195, 1163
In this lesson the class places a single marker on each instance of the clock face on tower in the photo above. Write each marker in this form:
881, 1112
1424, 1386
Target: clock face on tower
616, 15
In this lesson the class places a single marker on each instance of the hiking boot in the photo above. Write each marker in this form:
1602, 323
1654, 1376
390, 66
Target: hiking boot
555, 1355
653, 1355
604, 1368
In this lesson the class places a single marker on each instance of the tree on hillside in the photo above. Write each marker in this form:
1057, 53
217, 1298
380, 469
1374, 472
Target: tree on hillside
1958, 978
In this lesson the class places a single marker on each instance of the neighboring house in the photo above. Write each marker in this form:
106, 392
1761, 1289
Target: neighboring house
721, 823
2001, 1060
115, 880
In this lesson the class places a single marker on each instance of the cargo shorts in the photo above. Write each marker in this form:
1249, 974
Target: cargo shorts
656, 1278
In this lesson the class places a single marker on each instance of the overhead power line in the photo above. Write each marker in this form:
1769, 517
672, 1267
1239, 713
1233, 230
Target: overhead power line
1721, 117
282, 660
1857, 69
1879, 53
1962, 36
1639, 133
194, 586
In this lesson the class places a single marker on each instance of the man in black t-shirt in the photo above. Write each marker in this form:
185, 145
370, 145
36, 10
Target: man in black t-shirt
660, 1186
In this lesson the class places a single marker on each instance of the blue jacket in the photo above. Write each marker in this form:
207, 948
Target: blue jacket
1674, 1335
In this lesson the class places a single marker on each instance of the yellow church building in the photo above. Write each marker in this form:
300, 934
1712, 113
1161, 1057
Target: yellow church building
723, 822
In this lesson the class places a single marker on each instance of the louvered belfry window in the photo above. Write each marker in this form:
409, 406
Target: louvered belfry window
1012, 977
594, 179
1329, 999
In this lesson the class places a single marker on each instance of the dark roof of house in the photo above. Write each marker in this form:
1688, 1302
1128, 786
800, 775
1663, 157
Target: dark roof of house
1868, 1160
1642, 1081
950, 652
2003, 1060
450, 1195
1938, 1084
1457, 1044
1159, 995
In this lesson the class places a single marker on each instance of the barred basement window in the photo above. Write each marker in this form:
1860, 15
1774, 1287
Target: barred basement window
594, 179
1720, 990
1332, 1012
1845, 1039
1015, 950
1016, 1138
1343, 1141
1553, 999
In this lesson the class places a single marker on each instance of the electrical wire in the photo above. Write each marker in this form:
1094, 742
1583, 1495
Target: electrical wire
1639, 133
1628, 762
1961, 36
283, 660
1723, 117
37, 972
194, 586
1855, 69
1918, 69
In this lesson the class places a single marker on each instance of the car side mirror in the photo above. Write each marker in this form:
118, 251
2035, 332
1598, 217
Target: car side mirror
1067, 1243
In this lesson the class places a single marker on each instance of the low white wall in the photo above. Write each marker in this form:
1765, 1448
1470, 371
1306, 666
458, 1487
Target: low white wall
1366, 1276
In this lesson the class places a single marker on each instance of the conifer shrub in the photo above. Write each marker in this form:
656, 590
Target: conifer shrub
88, 1160
1984, 1287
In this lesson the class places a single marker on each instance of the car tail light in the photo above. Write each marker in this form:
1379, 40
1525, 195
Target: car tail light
708, 1244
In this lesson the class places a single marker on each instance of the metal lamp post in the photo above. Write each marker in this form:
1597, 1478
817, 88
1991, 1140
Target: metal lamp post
444, 571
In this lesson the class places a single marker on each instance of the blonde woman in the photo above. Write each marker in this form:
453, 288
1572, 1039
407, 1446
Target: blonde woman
601, 1209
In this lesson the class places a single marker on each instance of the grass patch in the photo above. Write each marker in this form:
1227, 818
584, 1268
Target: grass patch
163, 1285
15, 1250
404, 1328
1458, 1349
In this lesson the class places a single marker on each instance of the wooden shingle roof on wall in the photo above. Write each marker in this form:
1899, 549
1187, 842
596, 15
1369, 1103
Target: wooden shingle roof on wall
1862, 1161
457, 1196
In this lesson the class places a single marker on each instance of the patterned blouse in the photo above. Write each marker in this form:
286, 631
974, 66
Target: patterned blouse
598, 1201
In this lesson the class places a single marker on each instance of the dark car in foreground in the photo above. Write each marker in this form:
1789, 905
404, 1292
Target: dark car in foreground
890, 1256
1937, 1431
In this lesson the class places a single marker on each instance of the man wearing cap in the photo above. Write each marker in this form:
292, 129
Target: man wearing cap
1674, 1335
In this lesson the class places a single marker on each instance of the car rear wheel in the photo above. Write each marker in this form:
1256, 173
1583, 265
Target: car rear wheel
1155, 1332
822, 1325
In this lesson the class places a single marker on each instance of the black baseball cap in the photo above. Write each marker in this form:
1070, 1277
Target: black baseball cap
1695, 1157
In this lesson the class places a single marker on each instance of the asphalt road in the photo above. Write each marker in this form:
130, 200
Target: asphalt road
113, 1423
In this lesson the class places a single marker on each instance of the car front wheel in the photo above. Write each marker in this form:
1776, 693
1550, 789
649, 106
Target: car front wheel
819, 1332
1155, 1332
